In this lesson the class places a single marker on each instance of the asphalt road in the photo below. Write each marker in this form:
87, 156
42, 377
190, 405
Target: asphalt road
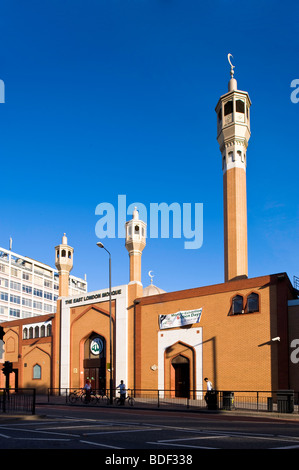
121, 433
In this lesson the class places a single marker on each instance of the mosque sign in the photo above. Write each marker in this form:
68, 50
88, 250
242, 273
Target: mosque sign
92, 297
178, 319
96, 346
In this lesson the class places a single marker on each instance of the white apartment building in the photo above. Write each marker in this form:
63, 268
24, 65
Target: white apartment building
29, 288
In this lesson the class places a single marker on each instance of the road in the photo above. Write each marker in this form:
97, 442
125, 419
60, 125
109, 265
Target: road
118, 430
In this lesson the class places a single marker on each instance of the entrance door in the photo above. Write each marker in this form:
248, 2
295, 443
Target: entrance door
181, 367
94, 362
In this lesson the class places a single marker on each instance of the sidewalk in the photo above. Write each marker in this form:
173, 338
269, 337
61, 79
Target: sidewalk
42, 400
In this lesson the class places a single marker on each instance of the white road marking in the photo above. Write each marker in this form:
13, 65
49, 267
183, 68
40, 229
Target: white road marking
100, 445
122, 431
180, 445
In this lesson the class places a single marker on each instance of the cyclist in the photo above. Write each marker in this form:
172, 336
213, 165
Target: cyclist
87, 388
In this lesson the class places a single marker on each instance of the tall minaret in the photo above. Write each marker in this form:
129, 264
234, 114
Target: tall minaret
135, 243
233, 134
64, 264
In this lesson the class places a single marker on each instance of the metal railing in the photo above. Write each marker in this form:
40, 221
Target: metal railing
276, 401
17, 401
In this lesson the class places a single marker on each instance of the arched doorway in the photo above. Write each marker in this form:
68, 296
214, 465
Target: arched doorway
94, 362
181, 366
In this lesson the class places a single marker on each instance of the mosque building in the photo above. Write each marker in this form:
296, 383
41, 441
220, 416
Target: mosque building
242, 334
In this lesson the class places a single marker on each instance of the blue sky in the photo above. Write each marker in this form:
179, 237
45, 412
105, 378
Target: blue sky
117, 97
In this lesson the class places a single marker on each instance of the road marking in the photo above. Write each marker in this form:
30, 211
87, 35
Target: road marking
180, 445
192, 438
40, 431
100, 445
39, 439
123, 431
285, 447
4, 435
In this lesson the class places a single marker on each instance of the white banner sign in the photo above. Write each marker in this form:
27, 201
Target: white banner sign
178, 319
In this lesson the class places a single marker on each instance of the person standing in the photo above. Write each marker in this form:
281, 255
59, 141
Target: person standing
122, 392
209, 389
87, 388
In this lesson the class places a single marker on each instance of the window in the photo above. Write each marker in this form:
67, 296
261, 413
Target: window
3, 310
240, 107
3, 282
237, 305
14, 312
49, 330
228, 108
63, 253
47, 308
38, 292
48, 295
25, 333
4, 296
36, 332
27, 302
37, 372
16, 299
27, 289
37, 305
14, 272
253, 303
43, 331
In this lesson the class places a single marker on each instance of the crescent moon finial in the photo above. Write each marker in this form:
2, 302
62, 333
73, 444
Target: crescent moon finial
151, 276
231, 65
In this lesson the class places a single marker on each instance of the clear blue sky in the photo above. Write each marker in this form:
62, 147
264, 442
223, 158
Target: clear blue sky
117, 97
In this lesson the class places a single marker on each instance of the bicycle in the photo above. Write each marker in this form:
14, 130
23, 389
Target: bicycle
119, 401
75, 396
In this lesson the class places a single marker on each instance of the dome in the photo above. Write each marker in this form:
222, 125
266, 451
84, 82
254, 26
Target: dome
152, 290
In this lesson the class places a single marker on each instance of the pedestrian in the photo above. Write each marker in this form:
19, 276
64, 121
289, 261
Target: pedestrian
122, 392
209, 389
87, 388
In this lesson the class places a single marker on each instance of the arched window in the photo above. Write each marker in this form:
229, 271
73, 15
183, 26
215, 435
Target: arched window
31, 332
36, 332
237, 305
25, 333
42, 331
253, 303
49, 330
63, 253
37, 372
228, 108
240, 107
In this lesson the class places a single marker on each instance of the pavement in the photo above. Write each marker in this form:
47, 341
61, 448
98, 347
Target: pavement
6, 417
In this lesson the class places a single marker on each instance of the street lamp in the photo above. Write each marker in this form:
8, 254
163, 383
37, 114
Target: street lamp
100, 245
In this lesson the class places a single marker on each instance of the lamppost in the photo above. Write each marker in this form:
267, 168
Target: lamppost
100, 245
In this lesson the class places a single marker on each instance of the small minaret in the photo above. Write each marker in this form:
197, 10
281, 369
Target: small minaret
233, 134
64, 264
135, 243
